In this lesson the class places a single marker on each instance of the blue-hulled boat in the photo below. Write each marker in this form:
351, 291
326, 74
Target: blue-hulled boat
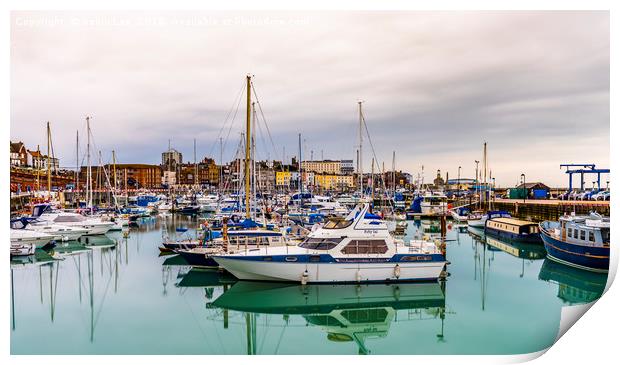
578, 241
513, 229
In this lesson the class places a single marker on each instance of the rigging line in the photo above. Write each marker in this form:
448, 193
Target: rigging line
227, 116
231, 124
262, 139
373, 149
105, 293
260, 108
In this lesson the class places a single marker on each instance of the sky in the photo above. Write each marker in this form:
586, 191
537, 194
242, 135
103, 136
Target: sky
435, 86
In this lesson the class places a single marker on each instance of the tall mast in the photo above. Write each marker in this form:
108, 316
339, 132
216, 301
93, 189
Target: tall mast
361, 167
49, 176
394, 173
253, 155
485, 171
77, 163
100, 173
372, 181
248, 87
114, 169
126, 191
89, 172
221, 166
301, 178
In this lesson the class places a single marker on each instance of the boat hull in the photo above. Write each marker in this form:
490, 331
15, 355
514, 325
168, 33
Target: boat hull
330, 272
38, 242
583, 257
478, 223
524, 238
198, 259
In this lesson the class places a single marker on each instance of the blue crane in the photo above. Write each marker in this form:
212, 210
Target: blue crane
584, 169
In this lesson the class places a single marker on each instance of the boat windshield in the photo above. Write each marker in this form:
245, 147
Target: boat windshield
69, 218
337, 224
320, 243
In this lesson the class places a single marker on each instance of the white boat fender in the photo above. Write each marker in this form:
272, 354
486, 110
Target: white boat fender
65, 238
304, 278
397, 271
358, 276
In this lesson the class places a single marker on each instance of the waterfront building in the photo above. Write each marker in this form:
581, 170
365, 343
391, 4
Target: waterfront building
347, 167
204, 173
322, 167
171, 160
38, 161
136, 176
333, 182
169, 178
265, 177
143, 175
533, 190
18, 153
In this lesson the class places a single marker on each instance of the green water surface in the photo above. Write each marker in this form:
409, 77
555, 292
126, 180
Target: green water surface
119, 296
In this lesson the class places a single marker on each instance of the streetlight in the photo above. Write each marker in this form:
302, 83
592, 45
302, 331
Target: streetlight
524, 188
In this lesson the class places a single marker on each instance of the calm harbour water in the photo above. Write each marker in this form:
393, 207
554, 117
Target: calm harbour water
121, 297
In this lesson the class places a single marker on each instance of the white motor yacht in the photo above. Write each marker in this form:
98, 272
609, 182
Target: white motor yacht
356, 249
45, 215
24, 236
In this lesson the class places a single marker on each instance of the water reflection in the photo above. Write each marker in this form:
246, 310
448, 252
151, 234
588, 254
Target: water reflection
94, 267
574, 286
346, 313
89, 291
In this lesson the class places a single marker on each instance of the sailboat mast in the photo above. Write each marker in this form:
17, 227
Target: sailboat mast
114, 169
49, 176
248, 87
394, 173
301, 177
89, 172
77, 164
253, 155
195, 166
486, 186
221, 167
372, 181
361, 168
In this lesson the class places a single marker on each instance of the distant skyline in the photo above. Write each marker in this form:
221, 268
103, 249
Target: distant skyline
435, 86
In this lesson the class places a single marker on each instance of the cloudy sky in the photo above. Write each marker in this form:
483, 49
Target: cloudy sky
435, 86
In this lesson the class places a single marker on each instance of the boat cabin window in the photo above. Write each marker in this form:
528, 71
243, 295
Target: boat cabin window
365, 247
575, 233
320, 243
605, 234
570, 232
582, 235
591, 236
337, 224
